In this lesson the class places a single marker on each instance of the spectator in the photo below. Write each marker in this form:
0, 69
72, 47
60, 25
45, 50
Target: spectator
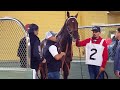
22, 53
117, 54
36, 58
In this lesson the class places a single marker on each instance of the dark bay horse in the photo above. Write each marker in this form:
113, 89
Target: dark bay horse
68, 33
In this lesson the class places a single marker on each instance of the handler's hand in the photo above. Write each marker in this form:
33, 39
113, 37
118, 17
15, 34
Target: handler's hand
101, 69
44, 61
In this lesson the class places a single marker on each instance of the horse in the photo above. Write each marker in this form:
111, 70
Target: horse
67, 34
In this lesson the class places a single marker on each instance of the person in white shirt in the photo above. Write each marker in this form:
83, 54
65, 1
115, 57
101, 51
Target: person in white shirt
53, 58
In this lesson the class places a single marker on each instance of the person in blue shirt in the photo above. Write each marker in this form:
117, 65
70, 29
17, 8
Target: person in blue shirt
117, 54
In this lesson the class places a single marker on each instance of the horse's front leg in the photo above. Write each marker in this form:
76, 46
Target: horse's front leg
66, 70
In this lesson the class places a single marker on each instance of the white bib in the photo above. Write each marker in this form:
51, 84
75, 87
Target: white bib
94, 53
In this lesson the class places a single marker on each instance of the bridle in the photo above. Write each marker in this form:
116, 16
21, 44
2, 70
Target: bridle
70, 32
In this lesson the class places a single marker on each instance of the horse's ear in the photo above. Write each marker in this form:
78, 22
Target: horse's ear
76, 15
68, 14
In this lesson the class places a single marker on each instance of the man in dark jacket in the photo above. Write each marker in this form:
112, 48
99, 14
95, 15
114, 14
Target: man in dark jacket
36, 58
52, 56
22, 54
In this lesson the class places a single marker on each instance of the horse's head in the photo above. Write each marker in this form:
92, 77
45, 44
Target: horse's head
72, 26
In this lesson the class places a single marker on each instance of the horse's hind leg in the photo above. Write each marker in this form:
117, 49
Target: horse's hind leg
42, 76
66, 68
43, 71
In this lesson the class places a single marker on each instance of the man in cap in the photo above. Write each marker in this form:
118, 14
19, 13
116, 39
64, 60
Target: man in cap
96, 53
52, 56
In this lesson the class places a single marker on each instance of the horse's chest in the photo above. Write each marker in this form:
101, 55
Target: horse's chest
69, 50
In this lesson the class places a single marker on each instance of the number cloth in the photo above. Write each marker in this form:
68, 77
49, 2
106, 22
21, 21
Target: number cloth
94, 53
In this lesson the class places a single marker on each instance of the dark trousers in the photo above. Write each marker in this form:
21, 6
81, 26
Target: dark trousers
93, 72
23, 62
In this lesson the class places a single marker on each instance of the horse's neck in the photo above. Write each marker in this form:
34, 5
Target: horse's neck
65, 43
62, 38
63, 30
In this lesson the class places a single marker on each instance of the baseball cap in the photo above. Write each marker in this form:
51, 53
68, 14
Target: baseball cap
50, 34
27, 27
96, 28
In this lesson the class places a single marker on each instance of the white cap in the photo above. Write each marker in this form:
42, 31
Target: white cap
50, 34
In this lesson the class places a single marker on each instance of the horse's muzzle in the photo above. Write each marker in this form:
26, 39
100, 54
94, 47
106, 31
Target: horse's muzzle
74, 40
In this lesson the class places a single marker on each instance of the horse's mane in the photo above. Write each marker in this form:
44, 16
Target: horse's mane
63, 28
62, 31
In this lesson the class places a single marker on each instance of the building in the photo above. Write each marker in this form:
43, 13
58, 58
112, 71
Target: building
54, 20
